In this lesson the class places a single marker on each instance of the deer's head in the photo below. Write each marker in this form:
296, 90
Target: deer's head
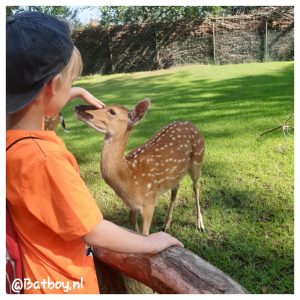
113, 120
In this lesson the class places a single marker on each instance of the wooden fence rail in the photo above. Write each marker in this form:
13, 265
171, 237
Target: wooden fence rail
175, 270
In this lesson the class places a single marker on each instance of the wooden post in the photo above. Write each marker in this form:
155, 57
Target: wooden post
175, 270
266, 54
110, 57
157, 62
214, 43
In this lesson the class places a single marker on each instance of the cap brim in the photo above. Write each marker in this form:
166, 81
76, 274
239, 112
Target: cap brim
16, 102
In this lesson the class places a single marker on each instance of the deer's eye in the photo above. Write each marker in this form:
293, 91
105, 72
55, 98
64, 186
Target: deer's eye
112, 112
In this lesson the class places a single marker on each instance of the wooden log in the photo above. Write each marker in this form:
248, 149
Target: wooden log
112, 281
175, 270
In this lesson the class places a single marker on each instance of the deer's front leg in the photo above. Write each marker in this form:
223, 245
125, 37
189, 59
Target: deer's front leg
133, 219
147, 215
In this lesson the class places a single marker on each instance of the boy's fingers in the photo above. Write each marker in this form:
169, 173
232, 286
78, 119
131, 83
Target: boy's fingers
78, 92
178, 243
96, 102
100, 103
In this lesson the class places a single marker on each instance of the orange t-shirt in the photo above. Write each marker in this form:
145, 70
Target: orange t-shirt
51, 209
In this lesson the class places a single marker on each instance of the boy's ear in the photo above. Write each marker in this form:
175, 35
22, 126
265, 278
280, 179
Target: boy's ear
135, 115
53, 85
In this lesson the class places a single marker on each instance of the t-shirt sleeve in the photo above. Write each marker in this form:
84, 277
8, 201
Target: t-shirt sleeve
58, 197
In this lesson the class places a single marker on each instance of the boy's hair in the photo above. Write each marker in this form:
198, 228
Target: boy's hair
74, 66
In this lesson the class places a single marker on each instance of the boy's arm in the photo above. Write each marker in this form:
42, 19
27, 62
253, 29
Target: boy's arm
110, 236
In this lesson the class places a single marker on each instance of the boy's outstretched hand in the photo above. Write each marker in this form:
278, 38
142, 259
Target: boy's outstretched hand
161, 240
78, 92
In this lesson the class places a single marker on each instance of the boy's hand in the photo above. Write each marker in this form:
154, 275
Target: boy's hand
78, 92
161, 240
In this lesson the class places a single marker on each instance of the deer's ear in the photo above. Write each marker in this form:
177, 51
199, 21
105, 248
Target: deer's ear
135, 115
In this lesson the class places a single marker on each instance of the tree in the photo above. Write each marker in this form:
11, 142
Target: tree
10, 10
237, 10
116, 15
60, 12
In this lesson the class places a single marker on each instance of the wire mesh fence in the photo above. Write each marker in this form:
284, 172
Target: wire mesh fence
151, 46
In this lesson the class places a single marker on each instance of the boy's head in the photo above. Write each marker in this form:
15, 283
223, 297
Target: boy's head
38, 47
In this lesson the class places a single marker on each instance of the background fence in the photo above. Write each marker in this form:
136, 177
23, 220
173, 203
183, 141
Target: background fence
151, 46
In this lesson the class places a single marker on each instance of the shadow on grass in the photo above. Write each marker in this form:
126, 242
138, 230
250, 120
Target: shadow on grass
250, 100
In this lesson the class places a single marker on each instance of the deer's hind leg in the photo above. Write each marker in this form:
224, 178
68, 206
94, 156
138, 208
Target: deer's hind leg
171, 207
195, 173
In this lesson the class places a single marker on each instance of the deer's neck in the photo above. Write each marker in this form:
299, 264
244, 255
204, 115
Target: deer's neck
113, 164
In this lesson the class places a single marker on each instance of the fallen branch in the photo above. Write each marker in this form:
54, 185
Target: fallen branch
175, 270
285, 127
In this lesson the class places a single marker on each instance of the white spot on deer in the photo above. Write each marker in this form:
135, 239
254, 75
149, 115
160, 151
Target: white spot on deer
149, 186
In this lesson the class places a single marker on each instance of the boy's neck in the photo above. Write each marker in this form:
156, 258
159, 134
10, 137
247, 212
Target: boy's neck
30, 118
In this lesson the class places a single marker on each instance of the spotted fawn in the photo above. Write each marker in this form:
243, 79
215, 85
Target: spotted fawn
146, 172
51, 123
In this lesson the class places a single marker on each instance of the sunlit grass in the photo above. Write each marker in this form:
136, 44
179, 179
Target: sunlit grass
247, 183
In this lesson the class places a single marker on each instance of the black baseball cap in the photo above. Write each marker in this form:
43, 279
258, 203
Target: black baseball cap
38, 47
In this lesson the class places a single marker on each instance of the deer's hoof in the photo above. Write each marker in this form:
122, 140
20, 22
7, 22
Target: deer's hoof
165, 228
202, 229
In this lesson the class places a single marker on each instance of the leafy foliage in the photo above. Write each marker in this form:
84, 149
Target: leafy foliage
119, 15
60, 12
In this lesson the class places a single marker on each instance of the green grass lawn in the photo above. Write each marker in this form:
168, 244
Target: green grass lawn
247, 183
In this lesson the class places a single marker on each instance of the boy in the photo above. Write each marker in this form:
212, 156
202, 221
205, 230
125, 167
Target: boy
53, 212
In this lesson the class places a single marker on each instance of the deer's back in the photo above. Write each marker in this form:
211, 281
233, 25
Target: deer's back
161, 162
